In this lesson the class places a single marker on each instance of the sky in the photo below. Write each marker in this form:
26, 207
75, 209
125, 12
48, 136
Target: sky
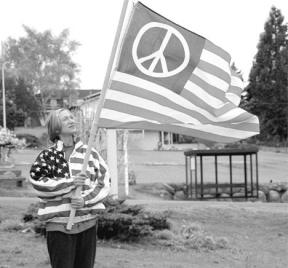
233, 25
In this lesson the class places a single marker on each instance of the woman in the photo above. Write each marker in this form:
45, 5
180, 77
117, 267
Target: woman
55, 175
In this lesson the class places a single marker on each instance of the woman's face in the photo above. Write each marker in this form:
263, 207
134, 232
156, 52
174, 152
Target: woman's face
68, 122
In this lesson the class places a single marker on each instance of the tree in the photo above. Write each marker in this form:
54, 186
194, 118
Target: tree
25, 99
20, 102
44, 61
12, 114
267, 91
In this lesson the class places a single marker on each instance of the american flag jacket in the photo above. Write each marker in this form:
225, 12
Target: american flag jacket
51, 178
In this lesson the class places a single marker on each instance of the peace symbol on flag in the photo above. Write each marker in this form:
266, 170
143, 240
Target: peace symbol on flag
158, 57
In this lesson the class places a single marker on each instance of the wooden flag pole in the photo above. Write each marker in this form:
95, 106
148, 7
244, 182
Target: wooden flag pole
99, 107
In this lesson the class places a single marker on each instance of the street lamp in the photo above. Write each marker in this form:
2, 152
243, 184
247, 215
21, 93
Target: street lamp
3, 94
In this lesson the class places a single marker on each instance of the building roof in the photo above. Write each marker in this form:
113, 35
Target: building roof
83, 93
92, 96
79, 94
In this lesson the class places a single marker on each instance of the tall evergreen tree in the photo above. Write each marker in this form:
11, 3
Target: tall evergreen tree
267, 91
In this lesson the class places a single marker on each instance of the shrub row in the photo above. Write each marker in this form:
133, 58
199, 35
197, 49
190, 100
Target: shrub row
121, 222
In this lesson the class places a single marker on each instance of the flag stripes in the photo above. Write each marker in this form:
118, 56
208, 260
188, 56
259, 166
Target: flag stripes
126, 120
151, 106
235, 89
149, 114
217, 51
210, 89
222, 63
217, 109
208, 132
198, 92
211, 79
210, 68
150, 93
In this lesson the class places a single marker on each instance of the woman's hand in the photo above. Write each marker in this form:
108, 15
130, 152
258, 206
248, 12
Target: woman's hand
77, 202
79, 179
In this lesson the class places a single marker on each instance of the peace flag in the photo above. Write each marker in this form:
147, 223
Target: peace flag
171, 79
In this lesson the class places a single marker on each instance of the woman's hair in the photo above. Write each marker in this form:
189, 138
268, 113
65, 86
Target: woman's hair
54, 125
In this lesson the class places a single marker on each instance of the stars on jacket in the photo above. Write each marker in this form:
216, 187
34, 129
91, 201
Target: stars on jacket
51, 163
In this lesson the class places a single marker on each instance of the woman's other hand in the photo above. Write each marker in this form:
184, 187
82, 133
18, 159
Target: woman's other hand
79, 179
77, 202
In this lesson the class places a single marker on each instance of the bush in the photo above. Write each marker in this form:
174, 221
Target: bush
119, 221
164, 235
30, 140
11, 225
127, 223
30, 216
123, 227
193, 236
130, 223
31, 213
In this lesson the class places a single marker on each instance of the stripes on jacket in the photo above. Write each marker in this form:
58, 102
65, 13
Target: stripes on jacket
51, 176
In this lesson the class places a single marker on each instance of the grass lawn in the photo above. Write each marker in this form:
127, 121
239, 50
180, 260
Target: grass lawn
256, 232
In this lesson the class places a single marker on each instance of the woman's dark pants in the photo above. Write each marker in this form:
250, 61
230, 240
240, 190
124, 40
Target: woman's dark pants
72, 250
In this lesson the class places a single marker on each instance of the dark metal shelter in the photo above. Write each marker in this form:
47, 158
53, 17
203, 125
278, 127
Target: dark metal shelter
245, 168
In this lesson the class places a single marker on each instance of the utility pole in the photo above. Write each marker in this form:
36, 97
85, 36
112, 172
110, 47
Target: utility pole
3, 85
3, 94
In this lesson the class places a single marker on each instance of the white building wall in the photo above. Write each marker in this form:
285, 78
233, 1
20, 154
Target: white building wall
143, 140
